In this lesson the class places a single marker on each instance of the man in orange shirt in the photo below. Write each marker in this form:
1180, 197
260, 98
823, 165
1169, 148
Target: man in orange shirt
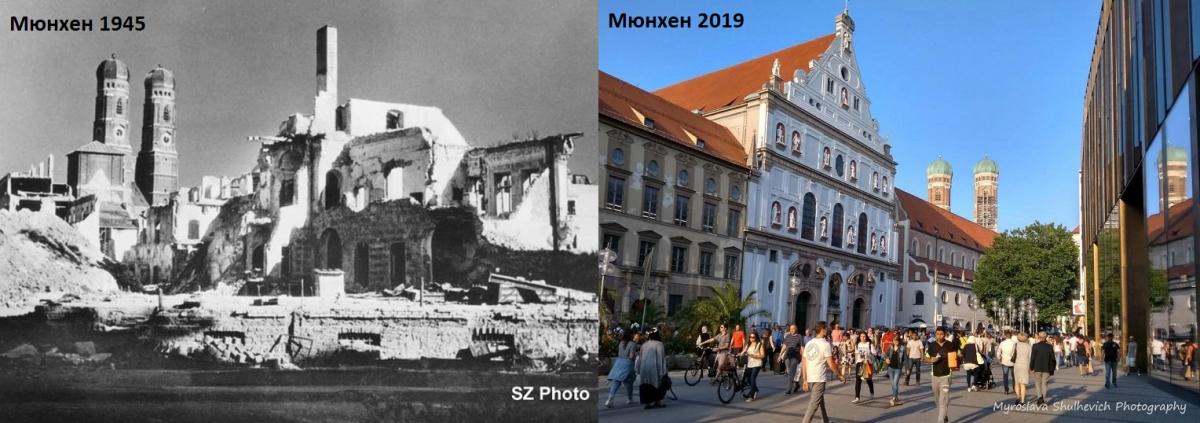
888, 338
739, 339
836, 334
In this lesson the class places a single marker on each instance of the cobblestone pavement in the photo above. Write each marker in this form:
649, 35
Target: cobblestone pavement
1069, 396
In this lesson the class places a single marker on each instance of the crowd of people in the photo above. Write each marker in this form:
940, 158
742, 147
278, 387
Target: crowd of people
811, 357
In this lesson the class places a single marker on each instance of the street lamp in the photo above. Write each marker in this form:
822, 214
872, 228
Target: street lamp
1008, 312
995, 311
1033, 317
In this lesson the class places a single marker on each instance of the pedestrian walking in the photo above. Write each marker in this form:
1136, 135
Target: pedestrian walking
915, 349
971, 360
1111, 352
1022, 352
651, 369
892, 359
1188, 354
864, 362
1058, 351
1007, 350
817, 362
1130, 356
622, 369
777, 347
1157, 350
791, 357
755, 355
1041, 362
938, 355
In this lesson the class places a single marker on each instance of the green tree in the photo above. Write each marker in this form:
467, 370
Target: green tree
1038, 262
654, 315
725, 306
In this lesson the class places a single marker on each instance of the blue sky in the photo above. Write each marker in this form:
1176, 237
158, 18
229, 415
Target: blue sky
958, 79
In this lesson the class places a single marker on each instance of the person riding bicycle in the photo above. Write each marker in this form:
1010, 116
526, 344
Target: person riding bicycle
723, 340
705, 342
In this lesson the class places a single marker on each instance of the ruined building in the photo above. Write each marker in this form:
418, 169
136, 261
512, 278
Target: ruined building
389, 194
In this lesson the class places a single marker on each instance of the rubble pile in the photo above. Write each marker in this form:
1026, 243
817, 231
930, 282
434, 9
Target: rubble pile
81, 353
40, 254
217, 259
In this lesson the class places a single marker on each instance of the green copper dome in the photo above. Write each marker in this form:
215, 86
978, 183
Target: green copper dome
986, 165
939, 167
1176, 154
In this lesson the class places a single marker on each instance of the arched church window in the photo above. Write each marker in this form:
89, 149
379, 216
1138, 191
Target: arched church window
166, 114
120, 106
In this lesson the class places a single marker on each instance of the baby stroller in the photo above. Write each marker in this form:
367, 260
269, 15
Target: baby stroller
983, 377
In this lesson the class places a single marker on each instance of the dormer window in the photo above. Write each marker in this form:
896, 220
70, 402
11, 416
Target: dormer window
700, 143
647, 122
779, 141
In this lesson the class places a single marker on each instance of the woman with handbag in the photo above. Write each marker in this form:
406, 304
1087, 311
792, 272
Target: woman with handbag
971, 361
755, 353
864, 359
652, 368
893, 359
622, 369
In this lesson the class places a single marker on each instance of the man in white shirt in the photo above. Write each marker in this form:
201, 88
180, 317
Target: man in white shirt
916, 349
817, 361
1070, 352
1156, 349
1007, 349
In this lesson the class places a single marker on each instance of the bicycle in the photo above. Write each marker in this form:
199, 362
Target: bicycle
695, 372
730, 382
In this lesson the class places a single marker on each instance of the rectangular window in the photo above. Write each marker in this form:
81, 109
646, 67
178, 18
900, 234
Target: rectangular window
709, 217
856, 103
773, 256
731, 267
681, 210
645, 249
706, 263
674, 303
613, 242
650, 202
571, 207
733, 223
615, 198
829, 85
901, 297
678, 259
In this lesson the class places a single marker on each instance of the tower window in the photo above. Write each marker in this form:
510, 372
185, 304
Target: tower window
395, 119
120, 107
166, 114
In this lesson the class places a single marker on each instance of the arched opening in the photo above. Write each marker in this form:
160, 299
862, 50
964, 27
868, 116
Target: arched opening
834, 297
862, 233
920, 300
809, 215
333, 190
257, 259
801, 315
838, 221
362, 264
452, 247
857, 314
332, 247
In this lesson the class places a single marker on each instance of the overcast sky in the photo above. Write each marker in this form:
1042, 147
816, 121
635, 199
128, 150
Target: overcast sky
495, 68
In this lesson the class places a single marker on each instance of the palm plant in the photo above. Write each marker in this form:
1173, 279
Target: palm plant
725, 306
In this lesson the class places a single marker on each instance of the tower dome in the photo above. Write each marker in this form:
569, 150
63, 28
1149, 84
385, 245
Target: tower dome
987, 165
939, 167
112, 68
1176, 154
160, 77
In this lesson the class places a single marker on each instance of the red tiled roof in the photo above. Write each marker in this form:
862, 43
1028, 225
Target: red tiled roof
1182, 223
730, 85
619, 100
926, 218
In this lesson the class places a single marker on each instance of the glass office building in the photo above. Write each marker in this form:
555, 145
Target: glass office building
1139, 177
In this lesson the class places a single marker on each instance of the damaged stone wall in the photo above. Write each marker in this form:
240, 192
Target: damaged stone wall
377, 228
220, 256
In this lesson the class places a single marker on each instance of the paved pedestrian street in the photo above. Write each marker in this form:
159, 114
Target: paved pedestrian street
1070, 395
